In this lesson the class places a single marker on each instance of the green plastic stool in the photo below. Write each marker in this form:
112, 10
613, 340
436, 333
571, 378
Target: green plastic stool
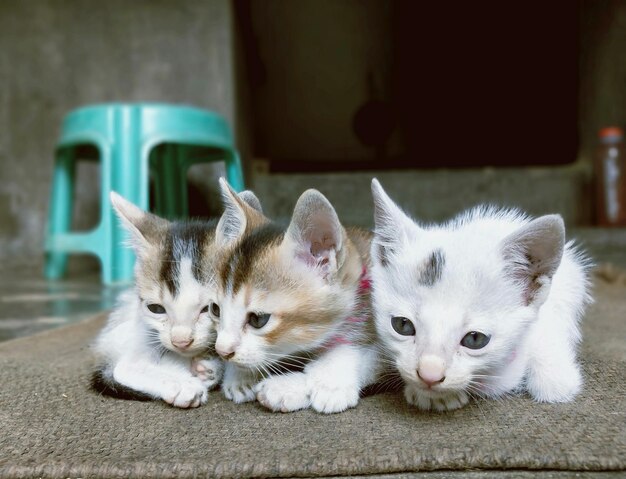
134, 142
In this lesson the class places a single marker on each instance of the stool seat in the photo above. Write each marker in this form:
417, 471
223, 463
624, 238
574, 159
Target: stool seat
135, 142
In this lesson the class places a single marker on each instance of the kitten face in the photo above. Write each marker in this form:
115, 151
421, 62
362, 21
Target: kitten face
184, 317
281, 291
453, 303
175, 278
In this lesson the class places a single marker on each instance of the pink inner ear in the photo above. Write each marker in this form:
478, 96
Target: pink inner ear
318, 254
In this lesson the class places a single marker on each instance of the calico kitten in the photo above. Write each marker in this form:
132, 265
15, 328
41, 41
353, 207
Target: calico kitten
484, 305
294, 296
159, 340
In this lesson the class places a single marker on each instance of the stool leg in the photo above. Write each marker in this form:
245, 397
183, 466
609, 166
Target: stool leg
181, 174
156, 173
170, 183
234, 174
60, 210
127, 178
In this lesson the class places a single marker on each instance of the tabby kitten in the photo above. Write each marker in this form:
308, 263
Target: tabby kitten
295, 295
159, 341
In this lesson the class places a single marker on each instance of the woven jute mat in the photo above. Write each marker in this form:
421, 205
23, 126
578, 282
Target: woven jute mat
53, 425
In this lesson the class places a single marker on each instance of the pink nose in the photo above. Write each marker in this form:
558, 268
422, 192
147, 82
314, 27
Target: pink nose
225, 352
431, 370
182, 343
430, 379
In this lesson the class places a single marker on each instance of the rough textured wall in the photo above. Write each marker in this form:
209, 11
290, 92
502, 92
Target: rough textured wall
56, 55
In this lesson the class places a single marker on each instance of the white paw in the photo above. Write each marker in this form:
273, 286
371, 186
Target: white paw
239, 389
554, 384
207, 370
284, 393
442, 402
330, 398
184, 393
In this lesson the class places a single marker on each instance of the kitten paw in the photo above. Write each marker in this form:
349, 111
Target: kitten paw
185, 393
332, 398
239, 390
441, 403
284, 393
209, 371
559, 383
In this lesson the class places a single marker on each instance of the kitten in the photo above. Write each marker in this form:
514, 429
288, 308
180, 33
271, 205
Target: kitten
158, 341
484, 305
294, 296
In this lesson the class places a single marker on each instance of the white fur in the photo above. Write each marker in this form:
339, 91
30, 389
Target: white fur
533, 344
136, 349
159, 354
330, 384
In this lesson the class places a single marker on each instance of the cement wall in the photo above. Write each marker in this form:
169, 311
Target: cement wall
56, 55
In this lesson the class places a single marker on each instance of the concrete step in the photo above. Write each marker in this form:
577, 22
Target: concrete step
436, 195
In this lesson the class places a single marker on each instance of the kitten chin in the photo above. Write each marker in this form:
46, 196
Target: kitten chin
485, 305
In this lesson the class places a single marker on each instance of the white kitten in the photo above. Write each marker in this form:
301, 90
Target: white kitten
164, 327
484, 305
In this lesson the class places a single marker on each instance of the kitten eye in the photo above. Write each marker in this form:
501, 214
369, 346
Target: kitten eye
403, 326
204, 310
156, 308
258, 320
215, 310
475, 340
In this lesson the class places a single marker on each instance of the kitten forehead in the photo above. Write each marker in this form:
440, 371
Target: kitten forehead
185, 240
432, 270
241, 262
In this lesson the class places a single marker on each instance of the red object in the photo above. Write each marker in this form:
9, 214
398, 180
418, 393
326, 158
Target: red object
611, 131
610, 178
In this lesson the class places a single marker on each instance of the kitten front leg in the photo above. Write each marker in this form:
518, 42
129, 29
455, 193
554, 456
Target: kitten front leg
238, 384
337, 377
441, 402
553, 374
284, 393
168, 381
208, 369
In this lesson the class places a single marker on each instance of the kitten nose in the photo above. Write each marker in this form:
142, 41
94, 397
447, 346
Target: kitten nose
181, 337
431, 370
182, 343
226, 356
225, 353
226, 349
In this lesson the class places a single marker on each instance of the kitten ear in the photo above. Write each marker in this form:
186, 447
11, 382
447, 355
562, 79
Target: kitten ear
251, 199
391, 224
534, 253
241, 213
315, 235
145, 228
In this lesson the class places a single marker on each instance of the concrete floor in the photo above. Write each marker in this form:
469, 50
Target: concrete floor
29, 304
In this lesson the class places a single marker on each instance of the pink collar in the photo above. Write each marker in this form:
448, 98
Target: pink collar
360, 316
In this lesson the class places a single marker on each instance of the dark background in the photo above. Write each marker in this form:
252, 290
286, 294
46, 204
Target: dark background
467, 84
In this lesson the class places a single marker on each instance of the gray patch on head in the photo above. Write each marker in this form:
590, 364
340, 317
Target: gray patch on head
184, 240
382, 255
433, 268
